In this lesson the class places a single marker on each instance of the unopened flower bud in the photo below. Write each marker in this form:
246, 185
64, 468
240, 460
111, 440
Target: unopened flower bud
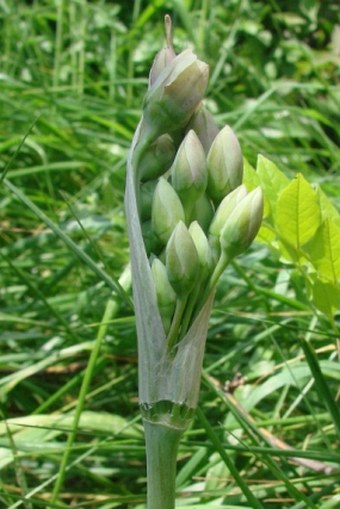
189, 172
162, 59
166, 297
157, 159
182, 263
203, 212
164, 56
242, 225
226, 208
167, 210
225, 165
176, 93
202, 247
203, 124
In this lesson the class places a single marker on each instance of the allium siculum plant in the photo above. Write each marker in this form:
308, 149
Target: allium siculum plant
188, 216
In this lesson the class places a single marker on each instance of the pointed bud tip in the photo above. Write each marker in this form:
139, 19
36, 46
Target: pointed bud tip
243, 224
225, 164
167, 210
189, 171
182, 261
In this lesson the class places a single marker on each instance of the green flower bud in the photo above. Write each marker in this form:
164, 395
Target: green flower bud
226, 208
242, 225
162, 59
189, 172
203, 124
202, 247
147, 190
181, 260
157, 159
203, 212
167, 210
225, 165
164, 56
166, 297
176, 93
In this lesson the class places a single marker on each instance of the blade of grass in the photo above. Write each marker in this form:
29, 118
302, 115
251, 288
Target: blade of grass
321, 384
112, 284
35, 290
252, 500
19, 471
17, 151
256, 436
58, 42
110, 311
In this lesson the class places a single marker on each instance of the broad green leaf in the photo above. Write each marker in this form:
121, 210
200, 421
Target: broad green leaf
297, 213
326, 297
250, 177
251, 181
327, 208
266, 234
324, 251
272, 182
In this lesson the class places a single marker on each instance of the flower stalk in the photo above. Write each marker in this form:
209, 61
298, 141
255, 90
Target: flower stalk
161, 448
183, 232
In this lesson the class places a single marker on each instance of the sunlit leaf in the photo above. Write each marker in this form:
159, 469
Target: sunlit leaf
250, 177
272, 182
297, 213
266, 234
251, 181
324, 251
327, 208
326, 297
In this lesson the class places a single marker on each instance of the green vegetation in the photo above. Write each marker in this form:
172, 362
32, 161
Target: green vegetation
266, 434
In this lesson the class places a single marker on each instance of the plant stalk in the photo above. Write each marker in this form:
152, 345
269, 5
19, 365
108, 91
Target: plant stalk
161, 454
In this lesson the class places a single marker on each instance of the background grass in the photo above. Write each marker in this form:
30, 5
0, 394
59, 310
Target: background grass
73, 75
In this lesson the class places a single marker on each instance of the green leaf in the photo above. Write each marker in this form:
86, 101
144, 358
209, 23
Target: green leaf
250, 177
327, 208
326, 297
322, 386
297, 213
266, 235
324, 251
272, 182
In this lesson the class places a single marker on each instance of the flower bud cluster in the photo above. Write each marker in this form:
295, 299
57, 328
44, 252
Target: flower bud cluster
196, 214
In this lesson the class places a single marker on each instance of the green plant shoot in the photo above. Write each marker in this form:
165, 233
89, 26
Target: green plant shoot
183, 260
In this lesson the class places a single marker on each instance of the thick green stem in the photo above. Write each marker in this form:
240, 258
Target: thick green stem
161, 454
